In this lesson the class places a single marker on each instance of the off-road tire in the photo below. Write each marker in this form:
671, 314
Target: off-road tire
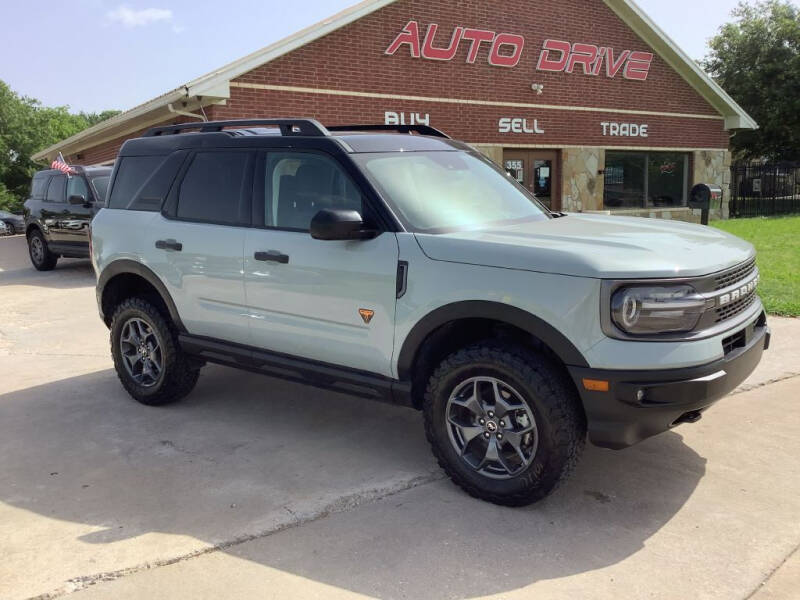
44, 260
179, 375
544, 387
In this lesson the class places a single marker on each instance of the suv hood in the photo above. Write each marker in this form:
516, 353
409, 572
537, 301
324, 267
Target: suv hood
595, 246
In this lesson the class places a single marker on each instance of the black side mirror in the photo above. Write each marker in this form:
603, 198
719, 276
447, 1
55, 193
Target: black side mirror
338, 224
78, 199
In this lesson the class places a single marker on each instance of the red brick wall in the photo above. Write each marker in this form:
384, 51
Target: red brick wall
353, 59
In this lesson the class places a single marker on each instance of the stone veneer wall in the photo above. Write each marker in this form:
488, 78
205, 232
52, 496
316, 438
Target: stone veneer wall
714, 166
675, 214
493, 153
581, 185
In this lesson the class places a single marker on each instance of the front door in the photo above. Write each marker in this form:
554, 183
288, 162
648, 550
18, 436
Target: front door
74, 224
329, 301
537, 170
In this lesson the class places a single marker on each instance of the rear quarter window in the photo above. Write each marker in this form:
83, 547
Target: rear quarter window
39, 186
143, 182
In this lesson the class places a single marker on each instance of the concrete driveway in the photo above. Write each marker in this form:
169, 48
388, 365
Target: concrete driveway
257, 488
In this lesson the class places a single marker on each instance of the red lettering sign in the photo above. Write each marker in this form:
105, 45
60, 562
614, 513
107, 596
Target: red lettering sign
506, 50
410, 36
431, 52
563, 57
638, 66
515, 42
477, 37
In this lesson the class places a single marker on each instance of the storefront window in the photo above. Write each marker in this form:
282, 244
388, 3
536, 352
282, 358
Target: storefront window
646, 179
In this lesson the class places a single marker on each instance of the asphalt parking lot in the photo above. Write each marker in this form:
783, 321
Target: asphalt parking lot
257, 488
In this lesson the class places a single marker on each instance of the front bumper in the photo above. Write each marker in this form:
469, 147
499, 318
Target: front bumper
641, 404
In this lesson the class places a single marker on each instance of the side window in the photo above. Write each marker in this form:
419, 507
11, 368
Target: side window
39, 186
213, 188
76, 186
131, 176
56, 189
298, 185
101, 187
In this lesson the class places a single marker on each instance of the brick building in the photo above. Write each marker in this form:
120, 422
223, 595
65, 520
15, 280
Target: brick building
587, 102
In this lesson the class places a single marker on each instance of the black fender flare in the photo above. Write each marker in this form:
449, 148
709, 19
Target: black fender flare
34, 224
482, 309
130, 267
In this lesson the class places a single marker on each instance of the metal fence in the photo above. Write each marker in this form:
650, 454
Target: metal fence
764, 189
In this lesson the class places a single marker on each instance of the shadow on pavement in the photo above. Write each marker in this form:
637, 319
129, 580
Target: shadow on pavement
16, 268
243, 450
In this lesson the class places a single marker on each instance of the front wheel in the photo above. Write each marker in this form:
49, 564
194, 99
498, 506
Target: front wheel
504, 422
41, 257
147, 357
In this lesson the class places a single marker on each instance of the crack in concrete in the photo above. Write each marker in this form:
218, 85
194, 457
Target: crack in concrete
340, 505
754, 386
772, 573
57, 354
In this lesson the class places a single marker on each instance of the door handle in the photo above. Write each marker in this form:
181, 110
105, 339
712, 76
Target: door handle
169, 245
272, 256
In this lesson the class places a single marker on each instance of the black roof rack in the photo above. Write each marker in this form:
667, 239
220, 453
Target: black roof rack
288, 127
418, 129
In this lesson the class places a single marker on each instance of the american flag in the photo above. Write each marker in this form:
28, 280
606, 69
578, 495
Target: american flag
60, 164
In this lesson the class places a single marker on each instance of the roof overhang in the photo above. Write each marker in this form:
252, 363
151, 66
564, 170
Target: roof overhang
150, 113
633, 16
214, 87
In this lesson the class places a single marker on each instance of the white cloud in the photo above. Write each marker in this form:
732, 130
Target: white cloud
138, 18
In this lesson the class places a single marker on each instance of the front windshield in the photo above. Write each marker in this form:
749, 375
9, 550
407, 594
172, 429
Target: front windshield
101, 186
437, 192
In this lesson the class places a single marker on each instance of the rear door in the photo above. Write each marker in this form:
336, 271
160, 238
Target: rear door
196, 244
54, 208
328, 301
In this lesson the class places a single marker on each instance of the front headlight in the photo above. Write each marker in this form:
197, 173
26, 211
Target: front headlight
648, 310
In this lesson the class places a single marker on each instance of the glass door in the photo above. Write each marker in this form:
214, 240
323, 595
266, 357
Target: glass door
537, 171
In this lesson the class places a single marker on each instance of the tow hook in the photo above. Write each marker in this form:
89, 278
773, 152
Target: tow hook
692, 416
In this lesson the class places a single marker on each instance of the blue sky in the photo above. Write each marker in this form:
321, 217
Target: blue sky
99, 54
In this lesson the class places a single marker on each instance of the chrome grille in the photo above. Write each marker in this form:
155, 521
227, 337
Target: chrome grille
735, 275
734, 308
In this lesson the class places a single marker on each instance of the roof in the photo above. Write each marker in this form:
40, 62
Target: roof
214, 87
77, 170
297, 133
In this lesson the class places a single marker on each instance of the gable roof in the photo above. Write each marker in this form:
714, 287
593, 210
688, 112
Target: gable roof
214, 87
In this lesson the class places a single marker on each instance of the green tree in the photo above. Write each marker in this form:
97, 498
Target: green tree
756, 59
25, 128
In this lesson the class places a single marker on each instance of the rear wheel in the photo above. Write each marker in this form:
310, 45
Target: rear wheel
148, 360
41, 257
504, 423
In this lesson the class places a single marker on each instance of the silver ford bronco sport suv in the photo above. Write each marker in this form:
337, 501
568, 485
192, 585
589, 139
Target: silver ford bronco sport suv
404, 266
